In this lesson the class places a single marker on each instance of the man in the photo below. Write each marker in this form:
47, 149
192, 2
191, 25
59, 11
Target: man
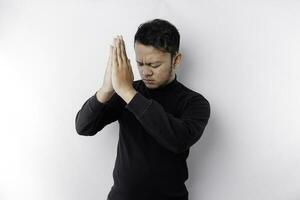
159, 117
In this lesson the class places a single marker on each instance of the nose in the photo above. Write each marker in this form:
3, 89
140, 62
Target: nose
146, 71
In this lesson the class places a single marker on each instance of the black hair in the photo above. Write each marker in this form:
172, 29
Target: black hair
160, 34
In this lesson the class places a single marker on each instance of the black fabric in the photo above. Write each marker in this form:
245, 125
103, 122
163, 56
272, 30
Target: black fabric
157, 128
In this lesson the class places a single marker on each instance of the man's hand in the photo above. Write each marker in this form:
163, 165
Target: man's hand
106, 91
122, 75
107, 82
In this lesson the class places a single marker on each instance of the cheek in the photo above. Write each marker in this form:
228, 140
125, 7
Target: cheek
162, 72
158, 73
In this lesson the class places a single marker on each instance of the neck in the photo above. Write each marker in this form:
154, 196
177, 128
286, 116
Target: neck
167, 87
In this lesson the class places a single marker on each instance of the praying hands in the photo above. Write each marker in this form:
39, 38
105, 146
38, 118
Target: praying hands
118, 75
121, 73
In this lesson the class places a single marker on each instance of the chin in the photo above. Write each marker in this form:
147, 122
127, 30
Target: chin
150, 86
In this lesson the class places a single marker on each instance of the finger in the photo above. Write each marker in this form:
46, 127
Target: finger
110, 52
110, 55
123, 52
131, 71
128, 61
108, 60
129, 65
114, 56
118, 52
125, 49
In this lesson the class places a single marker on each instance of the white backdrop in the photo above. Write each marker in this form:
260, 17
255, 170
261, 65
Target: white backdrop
243, 56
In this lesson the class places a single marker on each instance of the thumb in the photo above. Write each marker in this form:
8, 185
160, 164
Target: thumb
129, 63
130, 67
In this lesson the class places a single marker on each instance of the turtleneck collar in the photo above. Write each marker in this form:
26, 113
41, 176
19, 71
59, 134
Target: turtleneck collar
170, 86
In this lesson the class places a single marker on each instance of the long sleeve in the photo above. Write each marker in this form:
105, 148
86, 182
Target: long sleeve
95, 115
175, 134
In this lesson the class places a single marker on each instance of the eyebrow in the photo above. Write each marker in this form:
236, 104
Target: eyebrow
149, 63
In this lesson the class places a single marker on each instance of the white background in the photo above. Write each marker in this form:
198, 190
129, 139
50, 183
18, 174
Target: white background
243, 56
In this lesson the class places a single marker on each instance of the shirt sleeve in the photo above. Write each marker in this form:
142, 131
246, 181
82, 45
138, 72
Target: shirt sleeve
175, 134
95, 115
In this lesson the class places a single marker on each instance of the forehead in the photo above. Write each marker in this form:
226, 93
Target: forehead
148, 53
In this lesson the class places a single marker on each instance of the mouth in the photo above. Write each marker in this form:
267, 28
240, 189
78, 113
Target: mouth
149, 80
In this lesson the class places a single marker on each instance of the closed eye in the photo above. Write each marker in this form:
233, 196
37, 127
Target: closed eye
139, 64
155, 66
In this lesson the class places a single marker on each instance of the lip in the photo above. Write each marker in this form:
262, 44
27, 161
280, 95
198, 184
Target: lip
148, 80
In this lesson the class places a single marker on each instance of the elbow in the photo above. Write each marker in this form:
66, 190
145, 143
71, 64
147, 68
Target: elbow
184, 145
84, 130
180, 149
79, 131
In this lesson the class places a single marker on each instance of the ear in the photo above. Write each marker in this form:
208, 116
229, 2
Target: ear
177, 59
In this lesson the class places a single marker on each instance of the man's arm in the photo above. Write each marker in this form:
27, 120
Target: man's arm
175, 134
98, 111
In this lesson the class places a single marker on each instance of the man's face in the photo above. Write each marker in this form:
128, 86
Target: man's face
154, 65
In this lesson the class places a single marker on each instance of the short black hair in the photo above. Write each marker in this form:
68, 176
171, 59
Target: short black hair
160, 34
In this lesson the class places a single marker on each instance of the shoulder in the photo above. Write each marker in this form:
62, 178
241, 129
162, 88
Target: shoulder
194, 101
192, 95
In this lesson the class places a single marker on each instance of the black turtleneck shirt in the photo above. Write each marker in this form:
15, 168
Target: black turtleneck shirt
157, 128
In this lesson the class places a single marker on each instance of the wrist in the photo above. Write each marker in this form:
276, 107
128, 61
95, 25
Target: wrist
128, 95
103, 95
